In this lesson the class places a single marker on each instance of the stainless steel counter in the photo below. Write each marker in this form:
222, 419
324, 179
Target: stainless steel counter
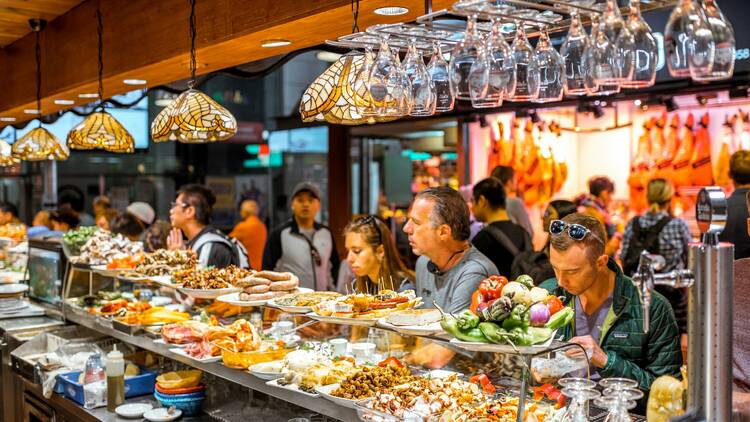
244, 378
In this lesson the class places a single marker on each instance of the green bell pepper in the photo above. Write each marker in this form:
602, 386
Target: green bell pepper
518, 318
467, 320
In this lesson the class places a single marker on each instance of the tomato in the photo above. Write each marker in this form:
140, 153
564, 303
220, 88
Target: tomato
554, 304
476, 299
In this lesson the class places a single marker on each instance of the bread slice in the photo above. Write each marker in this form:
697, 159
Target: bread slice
414, 317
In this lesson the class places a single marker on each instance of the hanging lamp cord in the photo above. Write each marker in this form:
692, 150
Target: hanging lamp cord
100, 33
193, 34
355, 16
38, 53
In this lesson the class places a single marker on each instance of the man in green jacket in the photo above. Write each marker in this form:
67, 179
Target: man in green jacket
609, 315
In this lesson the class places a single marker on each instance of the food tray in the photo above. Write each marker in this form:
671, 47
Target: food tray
129, 329
291, 387
180, 351
207, 293
367, 414
361, 322
244, 360
412, 330
506, 348
326, 390
107, 272
134, 386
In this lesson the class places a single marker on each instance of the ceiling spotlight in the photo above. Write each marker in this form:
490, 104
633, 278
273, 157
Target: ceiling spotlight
7, 119
701, 99
637, 103
64, 102
327, 56
391, 11
92, 95
134, 81
31, 111
278, 42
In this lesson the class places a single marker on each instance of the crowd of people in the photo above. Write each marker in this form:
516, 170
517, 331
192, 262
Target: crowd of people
461, 239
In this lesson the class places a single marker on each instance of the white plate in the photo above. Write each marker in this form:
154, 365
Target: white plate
207, 293
234, 299
343, 321
264, 375
291, 387
13, 288
161, 341
412, 330
132, 279
162, 415
326, 390
10, 277
181, 352
289, 309
103, 270
14, 308
164, 280
503, 348
133, 410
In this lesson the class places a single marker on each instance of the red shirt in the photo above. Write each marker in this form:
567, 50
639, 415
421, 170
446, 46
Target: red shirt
252, 233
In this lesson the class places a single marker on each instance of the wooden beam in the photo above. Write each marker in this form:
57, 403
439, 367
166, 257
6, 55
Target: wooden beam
148, 40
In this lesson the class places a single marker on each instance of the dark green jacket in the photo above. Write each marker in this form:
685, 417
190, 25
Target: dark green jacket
631, 353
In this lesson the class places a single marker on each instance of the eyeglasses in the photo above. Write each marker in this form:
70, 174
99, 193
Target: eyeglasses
182, 204
575, 231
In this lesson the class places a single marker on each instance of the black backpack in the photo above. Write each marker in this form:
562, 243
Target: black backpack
528, 261
642, 240
240, 253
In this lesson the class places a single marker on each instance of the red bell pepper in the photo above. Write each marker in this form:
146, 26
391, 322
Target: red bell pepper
476, 299
391, 361
552, 394
492, 287
484, 382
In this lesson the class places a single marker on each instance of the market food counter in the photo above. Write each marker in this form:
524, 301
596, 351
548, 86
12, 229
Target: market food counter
243, 378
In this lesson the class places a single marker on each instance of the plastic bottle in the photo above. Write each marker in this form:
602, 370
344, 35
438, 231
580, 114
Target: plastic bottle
93, 382
94, 369
115, 379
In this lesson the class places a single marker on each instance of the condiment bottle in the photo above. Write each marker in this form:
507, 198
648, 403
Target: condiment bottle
115, 379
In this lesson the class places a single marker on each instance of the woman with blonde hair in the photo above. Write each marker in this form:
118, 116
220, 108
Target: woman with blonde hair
658, 232
374, 260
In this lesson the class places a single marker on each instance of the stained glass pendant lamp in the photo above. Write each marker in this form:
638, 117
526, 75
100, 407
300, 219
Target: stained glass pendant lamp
193, 117
6, 155
39, 144
100, 130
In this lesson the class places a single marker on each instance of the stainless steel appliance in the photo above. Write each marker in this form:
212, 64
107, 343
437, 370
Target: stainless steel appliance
13, 333
709, 277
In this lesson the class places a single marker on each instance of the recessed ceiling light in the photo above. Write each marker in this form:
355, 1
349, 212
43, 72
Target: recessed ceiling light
88, 95
391, 11
64, 102
274, 43
637, 103
31, 111
7, 119
327, 56
134, 81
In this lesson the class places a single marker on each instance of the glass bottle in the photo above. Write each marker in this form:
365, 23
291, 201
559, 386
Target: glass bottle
551, 70
439, 73
422, 94
526, 68
462, 58
686, 35
724, 45
572, 51
644, 50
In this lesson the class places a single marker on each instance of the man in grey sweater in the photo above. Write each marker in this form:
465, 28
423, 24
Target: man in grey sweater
449, 268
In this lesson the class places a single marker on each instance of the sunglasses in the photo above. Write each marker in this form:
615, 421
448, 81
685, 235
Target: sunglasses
575, 231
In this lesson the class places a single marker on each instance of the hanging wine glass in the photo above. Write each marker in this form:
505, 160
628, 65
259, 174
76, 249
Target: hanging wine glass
526, 69
422, 89
384, 82
624, 55
366, 105
551, 70
482, 95
687, 35
644, 50
463, 56
612, 20
724, 45
402, 93
500, 75
439, 73
599, 62
572, 51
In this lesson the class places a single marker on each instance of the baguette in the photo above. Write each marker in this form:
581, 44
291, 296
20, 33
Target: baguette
260, 288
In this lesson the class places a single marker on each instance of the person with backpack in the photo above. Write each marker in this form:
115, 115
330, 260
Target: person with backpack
501, 240
657, 232
191, 216
303, 246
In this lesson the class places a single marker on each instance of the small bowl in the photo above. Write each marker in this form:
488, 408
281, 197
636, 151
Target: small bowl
190, 406
174, 391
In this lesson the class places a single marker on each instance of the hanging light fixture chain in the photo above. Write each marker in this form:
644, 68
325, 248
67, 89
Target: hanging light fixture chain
38, 54
193, 34
355, 16
100, 33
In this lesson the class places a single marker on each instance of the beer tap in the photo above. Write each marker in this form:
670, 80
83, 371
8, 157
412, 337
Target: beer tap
646, 278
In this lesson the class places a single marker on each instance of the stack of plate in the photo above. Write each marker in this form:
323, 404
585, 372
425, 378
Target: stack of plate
12, 304
12, 291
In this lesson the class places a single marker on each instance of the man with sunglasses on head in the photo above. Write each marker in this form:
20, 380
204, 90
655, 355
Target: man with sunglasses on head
191, 215
449, 268
303, 246
609, 315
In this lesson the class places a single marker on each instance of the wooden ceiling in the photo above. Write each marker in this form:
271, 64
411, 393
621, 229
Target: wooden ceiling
15, 15
144, 39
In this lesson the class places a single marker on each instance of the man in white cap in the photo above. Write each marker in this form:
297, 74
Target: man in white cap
143, 212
